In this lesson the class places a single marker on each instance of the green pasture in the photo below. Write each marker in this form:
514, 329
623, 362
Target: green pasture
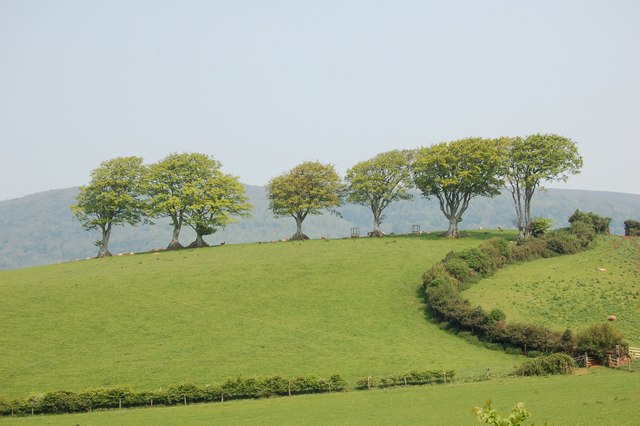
350, 307
600, 397
571, 291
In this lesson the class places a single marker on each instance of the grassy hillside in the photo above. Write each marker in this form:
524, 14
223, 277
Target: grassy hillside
320, 307
571, 291
603, 397
39, 229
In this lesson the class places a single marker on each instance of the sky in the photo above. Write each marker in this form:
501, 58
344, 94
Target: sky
264, 85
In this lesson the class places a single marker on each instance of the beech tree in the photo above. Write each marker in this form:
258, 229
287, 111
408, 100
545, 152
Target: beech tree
189, 188
378, 182
216, 201
308, 188
455, 172
532, 160
112, 197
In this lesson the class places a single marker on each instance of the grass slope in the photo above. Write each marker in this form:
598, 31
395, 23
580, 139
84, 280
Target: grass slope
603, 397
571, 291
320, 307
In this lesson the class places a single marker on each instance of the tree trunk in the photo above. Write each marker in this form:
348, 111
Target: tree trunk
104, 245
299, 235
377, 221
175, 244
199, 242
452, 232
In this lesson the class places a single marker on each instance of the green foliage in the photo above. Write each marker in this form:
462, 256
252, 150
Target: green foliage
455, 172
65, 401
563, 242
547, 365
584, 232
598, 339
412, 378
478, 260
600, 224
490, 416
535, 159
631, 228
539, 226
498, 252
190, 189
112, 197
308, 188
378, 182
458, 268
438, 274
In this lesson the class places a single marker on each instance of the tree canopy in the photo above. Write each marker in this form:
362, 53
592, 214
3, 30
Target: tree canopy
190, 188
308, 188
112, 197
217, 199
378, 182
533, 160
455, 172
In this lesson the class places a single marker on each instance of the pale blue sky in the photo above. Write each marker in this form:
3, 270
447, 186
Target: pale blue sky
264, 85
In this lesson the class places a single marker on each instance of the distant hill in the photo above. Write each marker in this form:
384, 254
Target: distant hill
40, 228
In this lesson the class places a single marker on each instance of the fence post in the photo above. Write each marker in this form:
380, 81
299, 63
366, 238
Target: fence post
444, 374
405, 381
152, 402
369, 383
289, 387
184, 398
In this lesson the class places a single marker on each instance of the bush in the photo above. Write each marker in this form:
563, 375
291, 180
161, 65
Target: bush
477, 260
631, 228
563, 242
598, 339
530, 249
584, 232
600, 223
539, 226
498, 252
547, 365
437, 275
62, 401
534, 354
458, 268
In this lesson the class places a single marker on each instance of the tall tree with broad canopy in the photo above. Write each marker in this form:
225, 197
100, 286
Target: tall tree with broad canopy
180, 186
216, 201
112, 197
378, 182
455, 172
532, 160
308, 188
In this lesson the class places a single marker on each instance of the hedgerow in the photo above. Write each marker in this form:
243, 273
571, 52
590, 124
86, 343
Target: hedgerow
458, 270
65, 401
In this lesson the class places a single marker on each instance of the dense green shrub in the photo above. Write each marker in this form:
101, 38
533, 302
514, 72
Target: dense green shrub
631, 228
477, 260
539, 226
437, 275
563, 242
458, 268
584, 232
63, 402
530, 249
547, 365
598, 339
600, 223
534, 354
498, 252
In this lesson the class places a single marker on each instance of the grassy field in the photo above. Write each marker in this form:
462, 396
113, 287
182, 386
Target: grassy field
571, 291
320, 307
600, 397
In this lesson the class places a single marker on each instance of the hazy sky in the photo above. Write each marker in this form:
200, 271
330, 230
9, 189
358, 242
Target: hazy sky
264, 85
